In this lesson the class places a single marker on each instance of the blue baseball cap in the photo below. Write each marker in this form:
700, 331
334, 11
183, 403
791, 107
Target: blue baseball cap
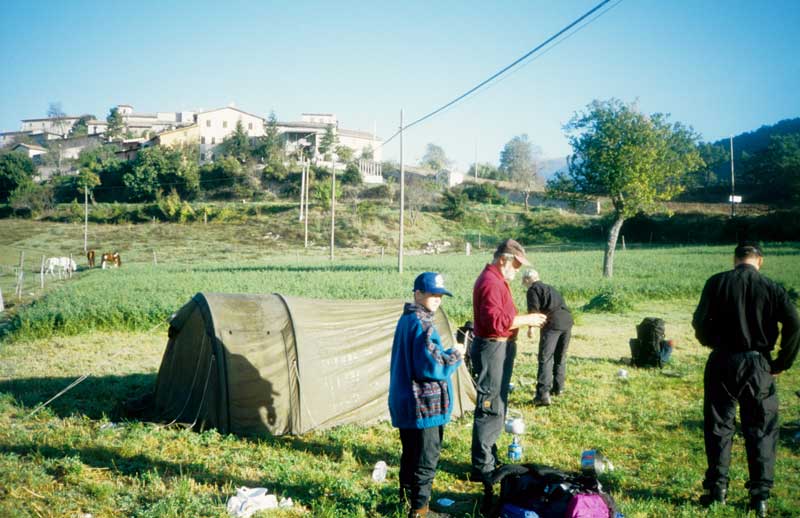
431, 282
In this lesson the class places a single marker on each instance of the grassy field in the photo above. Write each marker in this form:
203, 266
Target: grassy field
76, 456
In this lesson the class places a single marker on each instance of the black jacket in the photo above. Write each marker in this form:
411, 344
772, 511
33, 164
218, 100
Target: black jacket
546, 299
740, 309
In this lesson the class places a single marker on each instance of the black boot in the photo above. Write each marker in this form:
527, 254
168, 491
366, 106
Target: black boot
759, 505
715, 495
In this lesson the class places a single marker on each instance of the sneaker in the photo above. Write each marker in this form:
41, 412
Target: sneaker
543, 400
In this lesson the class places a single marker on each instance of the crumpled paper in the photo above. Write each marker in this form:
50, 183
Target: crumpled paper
248, 501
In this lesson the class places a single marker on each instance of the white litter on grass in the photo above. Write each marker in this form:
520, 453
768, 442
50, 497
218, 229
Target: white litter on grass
622, 374
248, 501
445, 502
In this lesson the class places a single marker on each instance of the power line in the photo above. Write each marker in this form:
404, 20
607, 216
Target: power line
500, 72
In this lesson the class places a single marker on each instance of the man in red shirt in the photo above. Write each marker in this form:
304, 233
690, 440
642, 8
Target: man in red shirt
496, 323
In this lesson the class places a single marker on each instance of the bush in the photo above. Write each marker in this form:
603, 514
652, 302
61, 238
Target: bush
31, 198
609, 300
484, 193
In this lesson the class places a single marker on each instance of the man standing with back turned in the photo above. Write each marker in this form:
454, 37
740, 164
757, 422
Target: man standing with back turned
492, 352
738, 317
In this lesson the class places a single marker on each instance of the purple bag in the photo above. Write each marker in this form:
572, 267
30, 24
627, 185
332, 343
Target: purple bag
588, 505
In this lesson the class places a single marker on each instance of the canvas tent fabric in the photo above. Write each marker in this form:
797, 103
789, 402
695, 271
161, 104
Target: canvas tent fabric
256, 364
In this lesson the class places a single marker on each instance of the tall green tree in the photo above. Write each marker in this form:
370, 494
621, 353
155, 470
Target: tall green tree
237, 144
270, 146
327, 143
434, 158
81, 127
518, 163
636, 160
16, 169
345, 154
116, 126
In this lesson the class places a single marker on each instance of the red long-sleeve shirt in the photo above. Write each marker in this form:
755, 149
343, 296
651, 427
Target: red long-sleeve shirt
493, 308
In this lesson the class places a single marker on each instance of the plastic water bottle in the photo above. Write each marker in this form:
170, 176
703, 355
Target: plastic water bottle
514, 450
379, 471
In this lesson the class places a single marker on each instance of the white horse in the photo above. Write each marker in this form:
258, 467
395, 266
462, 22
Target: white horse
60, 265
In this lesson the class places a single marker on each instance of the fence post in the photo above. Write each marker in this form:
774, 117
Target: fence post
623, 242
69, 268
155, 259
2, 304
41, 274
20, 275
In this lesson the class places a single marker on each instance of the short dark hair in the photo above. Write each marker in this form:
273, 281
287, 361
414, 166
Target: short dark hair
748, 249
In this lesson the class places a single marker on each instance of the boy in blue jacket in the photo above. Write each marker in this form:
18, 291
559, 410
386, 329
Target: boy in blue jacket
420, 391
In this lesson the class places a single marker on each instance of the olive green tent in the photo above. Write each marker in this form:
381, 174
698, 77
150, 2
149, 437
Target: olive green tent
256, 364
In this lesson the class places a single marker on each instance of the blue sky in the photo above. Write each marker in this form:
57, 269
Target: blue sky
722, 67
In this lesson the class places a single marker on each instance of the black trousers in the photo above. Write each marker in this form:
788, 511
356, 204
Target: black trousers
553, 345
421, 449
742, 378
492, 364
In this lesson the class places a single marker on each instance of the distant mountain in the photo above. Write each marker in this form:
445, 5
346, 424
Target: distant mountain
551, 166
752, 141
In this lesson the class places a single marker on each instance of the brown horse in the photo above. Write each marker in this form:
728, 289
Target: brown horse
90, 258
111, 259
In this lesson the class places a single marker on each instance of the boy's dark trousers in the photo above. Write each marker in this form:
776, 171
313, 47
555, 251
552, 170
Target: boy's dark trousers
421, 449
553, 345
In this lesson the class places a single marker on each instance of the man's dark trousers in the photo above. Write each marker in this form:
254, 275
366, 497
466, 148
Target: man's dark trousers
553, 345
492, 364
421, 449
742, 377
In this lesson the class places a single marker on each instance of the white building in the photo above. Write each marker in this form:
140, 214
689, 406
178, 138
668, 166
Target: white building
217, 125
143, 124
60, 126
309, 130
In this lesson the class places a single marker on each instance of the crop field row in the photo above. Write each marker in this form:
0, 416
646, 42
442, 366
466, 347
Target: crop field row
137, 297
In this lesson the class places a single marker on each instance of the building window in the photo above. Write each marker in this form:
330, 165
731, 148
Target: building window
213, 140
202, 140
208, 123
249, 125
224, 124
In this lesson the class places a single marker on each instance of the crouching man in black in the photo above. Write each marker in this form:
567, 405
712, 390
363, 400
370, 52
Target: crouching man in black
738, 317
553, 337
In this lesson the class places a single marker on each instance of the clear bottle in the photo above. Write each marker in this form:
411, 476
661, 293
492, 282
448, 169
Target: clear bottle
379, 471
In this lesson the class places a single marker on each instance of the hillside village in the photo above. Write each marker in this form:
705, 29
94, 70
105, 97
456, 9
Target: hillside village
208, 129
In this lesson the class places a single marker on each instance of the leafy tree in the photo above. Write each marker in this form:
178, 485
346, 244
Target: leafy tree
345, 154
518, 163
420, 193
367, 153
237, 144
321, 193
161, 168
634, 159
485, 170
454, 204
483, 193
434, 158
116, 126
351, 176
81, 127
16, 169
32, 197
328, 142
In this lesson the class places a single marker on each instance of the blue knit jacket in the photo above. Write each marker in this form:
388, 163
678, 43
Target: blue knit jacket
420, 391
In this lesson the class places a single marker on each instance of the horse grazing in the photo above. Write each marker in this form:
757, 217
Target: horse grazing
90, 258
60, 265
111, 259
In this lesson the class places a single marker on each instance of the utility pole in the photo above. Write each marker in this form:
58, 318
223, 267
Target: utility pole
733, 202
307, 170
402, 199
302, 190
333, 201
85, 218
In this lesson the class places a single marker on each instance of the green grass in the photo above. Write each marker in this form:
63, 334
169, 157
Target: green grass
79, 458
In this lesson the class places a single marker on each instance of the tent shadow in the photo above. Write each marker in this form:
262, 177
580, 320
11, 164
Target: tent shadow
95, 397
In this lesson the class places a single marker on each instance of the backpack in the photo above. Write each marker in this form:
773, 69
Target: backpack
536, 491
646, 348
